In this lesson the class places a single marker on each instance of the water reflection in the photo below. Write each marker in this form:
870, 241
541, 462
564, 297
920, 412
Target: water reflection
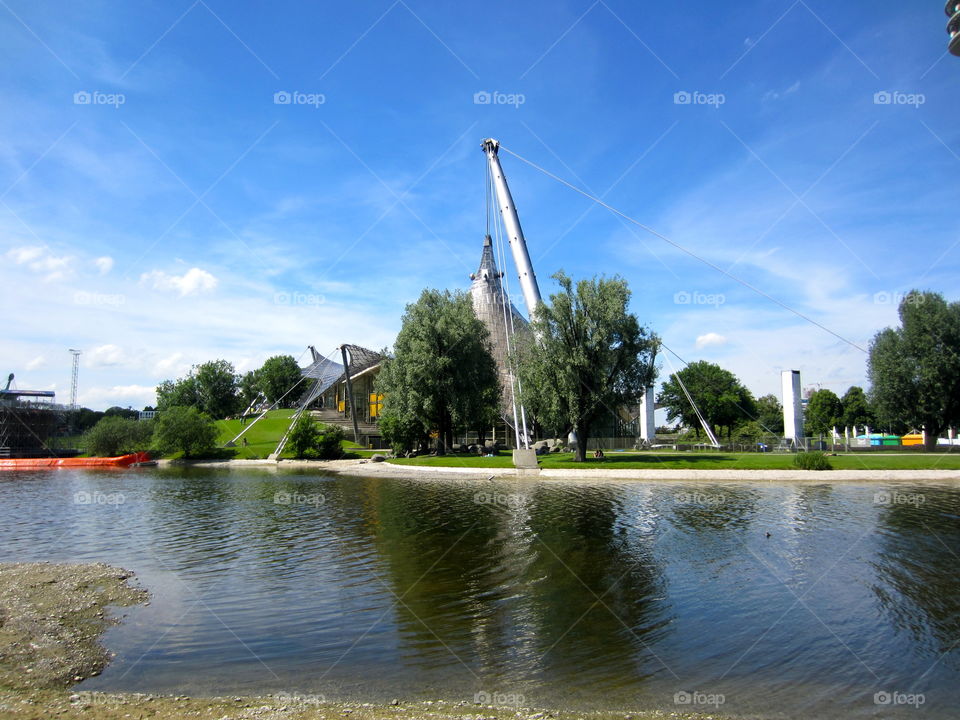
809, 598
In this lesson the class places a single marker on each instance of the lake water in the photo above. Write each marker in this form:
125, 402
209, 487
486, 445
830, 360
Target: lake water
649, 595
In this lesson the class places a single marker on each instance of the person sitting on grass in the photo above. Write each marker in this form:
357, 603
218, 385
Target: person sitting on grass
598, 453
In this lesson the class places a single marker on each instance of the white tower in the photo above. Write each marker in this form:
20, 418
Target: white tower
792, 406
73, 378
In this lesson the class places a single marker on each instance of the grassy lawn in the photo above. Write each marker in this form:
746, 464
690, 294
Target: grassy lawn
264, 437
657, 460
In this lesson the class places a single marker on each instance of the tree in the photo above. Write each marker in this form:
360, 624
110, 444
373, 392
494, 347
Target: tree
185, 429
589, 355
824, 412
718, 394
914, 370
179, 393
441, 374
249, 387
277, 376
856, 408
217, 388
115, 435
770, 414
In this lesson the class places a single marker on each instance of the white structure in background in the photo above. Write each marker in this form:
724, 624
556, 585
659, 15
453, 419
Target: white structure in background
648, 429
792, 407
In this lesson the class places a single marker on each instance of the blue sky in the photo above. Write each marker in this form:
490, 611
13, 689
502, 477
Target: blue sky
159, 207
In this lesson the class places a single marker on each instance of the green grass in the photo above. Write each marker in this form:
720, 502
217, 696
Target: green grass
263, 437
658, 460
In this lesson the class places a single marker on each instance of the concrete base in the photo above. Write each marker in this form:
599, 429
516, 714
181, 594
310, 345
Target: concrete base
525, 459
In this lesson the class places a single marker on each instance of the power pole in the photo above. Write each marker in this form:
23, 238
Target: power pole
73, 377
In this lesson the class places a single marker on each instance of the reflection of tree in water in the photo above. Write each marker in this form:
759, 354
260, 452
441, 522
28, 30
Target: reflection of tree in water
439, 554
594, 589
501, 585
917, 567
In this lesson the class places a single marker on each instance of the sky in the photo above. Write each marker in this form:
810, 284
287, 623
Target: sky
188, 180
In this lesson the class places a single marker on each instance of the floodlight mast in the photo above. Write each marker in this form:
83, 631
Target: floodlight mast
511, 221
953, 26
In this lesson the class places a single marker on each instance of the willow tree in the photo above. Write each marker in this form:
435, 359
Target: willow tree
441, 375
589, 356
915, 369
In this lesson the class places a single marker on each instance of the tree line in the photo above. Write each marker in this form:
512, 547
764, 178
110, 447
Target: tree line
587, 355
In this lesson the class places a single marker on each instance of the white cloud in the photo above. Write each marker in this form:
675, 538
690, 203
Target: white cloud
104, 264
37, 362
136, 396
106, 356
192, 282
41, 260
709, 339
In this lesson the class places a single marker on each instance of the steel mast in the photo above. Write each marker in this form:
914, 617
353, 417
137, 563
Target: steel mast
518, 245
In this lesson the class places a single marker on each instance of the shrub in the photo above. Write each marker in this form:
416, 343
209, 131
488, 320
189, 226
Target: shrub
814, 460
116, 435
304, 435
329, 445
185, 429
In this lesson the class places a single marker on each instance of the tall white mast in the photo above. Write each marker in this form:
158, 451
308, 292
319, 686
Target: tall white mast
518, 245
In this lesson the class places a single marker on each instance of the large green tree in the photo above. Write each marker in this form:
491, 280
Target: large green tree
824, 412
441, 374
212, 387
588, 356
718, 394
856, 408
914, 369
278, 376
117, 435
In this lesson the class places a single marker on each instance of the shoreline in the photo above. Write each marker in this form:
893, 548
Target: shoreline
368, 469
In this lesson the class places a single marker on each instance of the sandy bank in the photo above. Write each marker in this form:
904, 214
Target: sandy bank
366, 468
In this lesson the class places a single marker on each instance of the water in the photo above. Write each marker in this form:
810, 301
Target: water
594, 595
